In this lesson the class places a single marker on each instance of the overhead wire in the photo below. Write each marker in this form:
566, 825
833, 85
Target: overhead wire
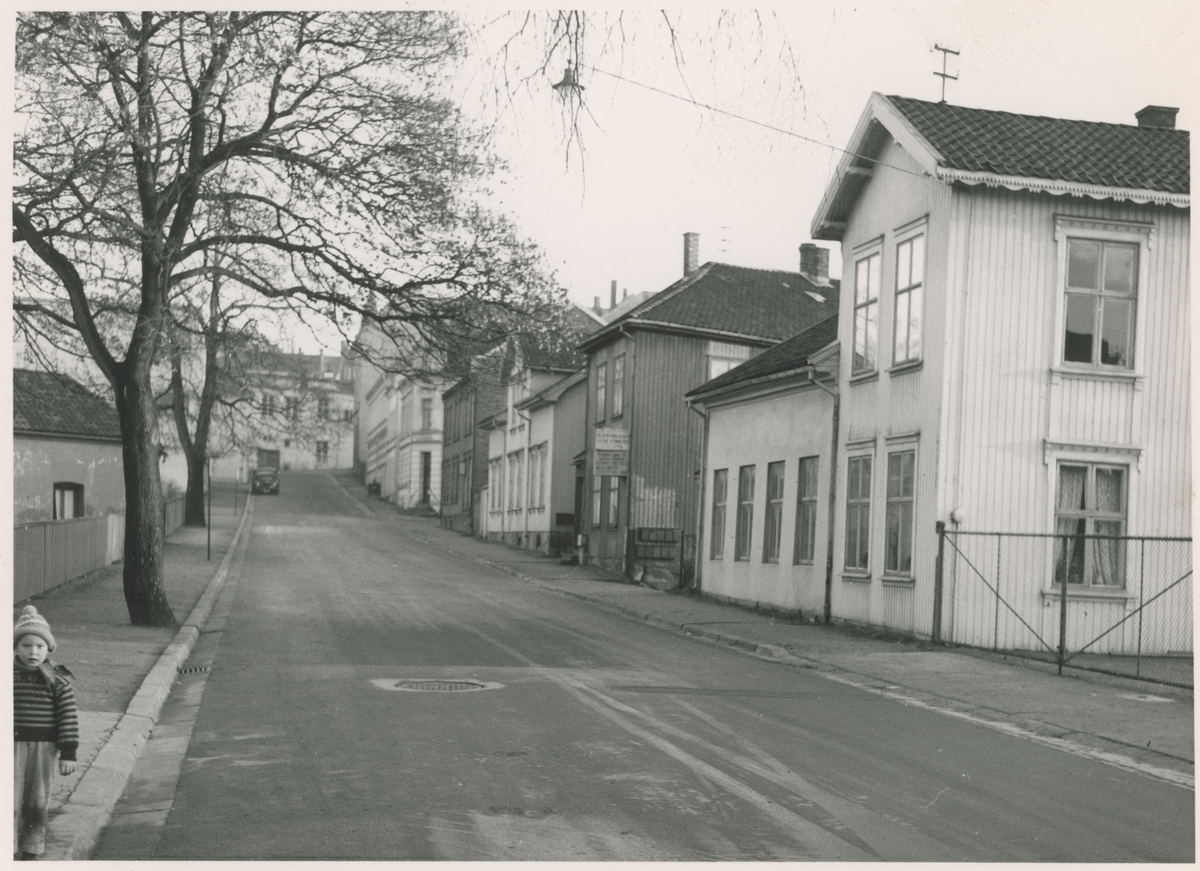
763, 124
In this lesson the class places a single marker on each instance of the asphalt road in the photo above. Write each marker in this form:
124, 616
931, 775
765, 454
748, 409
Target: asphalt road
369, 696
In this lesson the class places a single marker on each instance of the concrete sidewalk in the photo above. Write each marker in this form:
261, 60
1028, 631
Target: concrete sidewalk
125, 673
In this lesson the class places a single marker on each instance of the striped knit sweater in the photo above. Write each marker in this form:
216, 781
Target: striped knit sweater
43, 714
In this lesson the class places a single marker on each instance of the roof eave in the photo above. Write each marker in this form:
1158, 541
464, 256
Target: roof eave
1061, 187
848, 180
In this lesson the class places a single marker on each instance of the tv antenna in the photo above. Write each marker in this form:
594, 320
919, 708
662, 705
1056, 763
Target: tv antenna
943, 75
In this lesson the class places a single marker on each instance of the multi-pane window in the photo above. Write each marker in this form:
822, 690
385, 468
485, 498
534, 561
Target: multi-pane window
806, 512
516, 470
461, 492
1101, 299
268, 405
910, 277
537, 476
720, 495
858, 513
773, 518
496, 484
597, 495
68, 500
614, 500
426, 414
866, 314
292, 410
898, 524
618, 385
601, 376
1089, 520
322, 452
745, 513
323, 408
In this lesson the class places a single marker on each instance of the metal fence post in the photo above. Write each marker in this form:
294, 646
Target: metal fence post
1137, 668
1062, 624
937, 582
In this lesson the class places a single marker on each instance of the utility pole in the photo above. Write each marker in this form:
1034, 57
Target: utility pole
943, 75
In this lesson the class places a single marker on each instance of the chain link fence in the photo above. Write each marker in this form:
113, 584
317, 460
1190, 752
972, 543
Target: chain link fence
1127, 610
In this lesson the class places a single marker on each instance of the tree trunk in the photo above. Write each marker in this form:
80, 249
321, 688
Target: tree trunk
193, 503
145, 595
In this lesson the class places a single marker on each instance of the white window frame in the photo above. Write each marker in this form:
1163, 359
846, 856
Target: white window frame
913, 295
773, 511
1068, 227
719, 509
744, 516
618, 386
868, 504
872, 253
806, 506
898, 501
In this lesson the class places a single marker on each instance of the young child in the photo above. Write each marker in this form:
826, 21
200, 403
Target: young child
45, 724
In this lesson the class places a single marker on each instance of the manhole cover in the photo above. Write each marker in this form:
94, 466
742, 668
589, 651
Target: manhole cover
434, 685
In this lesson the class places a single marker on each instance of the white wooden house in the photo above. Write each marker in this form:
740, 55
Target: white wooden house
1014, 358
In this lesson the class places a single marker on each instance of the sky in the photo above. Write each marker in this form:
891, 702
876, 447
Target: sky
656, 167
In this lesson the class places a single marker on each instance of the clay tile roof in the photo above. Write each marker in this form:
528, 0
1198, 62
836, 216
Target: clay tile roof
1032, 146
756, 303
788, 354
48, 404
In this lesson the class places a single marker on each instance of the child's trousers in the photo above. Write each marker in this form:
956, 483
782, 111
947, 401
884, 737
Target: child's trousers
33, 769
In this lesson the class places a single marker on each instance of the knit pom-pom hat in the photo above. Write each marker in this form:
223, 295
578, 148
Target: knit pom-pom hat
32, 623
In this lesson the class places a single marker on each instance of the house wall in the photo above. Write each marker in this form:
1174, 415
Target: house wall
40, 463
1014, 428
897, 408
458, 447
570, 427
787, 425
991, 410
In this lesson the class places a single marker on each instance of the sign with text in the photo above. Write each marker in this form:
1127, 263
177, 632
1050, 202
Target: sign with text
610, 463
612, 438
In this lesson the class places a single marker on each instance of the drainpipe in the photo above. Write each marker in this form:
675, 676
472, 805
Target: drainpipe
698, 560
833, 473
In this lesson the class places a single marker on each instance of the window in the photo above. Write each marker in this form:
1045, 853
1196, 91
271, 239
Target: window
537, 473
773, 518
268, 405
597, 481
1090, 502
516, 475
68, 500
720, 491
460, 491
292, 410
322, 452
496, 484
897, 551
858, 513
866, 314
745, 513
323, 408
806, 512
1100, 302
614, 500
618, 386
347, 413
910, 276
600, 379
541, 489
426, 414
723, 356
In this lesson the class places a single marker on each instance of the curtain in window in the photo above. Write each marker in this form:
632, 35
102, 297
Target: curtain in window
1109, 551
1070, 546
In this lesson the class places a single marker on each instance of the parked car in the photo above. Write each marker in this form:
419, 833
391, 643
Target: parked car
265, 481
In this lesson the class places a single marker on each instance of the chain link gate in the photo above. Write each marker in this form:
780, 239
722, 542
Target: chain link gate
1128, 608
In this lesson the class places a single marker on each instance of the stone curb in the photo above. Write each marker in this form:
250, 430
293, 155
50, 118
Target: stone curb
77, 826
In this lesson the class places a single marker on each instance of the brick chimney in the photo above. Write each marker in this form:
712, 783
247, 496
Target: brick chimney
691, 253
814, 263
1157, 116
